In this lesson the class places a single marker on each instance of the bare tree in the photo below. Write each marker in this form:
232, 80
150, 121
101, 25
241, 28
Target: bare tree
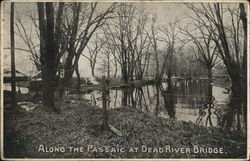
94, 48
79, 28
231, 40
115, 63
29, 39
13, 68
173, 46
229, 37
206, 52
126, 39
142, 47
164, 59
106, 63
160, 57
27, 36
50, 48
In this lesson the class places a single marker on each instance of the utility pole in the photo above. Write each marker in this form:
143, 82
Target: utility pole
12, 46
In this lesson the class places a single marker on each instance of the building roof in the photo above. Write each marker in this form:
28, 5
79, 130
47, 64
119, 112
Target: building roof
19, 76
7, 73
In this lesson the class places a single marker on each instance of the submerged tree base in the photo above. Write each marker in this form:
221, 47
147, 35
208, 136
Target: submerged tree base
77, 133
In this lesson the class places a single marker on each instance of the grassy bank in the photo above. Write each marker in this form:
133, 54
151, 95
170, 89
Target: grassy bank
79, 125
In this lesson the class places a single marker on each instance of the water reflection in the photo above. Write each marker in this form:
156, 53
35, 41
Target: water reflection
169, 99
197, 101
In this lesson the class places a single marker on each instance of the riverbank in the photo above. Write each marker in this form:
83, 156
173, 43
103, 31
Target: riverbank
76, 133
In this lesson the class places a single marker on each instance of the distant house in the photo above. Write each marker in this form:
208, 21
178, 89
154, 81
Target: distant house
19, 76
22, 81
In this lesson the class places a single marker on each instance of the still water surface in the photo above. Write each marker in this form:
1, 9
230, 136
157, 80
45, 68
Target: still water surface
197, 101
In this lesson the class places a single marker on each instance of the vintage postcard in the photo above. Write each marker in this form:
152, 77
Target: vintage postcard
124, 80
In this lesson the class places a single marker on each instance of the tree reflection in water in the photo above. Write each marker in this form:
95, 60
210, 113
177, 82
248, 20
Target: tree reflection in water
234, 118
208, 105
197, 101
169, 99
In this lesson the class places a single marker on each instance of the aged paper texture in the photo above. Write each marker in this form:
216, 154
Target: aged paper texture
124, 80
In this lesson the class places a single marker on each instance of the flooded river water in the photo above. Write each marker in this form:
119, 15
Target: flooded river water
197, 101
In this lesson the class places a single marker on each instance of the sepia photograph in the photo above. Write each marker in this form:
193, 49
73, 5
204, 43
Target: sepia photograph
124, 80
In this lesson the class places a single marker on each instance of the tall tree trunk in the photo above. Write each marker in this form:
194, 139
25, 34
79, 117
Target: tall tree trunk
78, 85
236, 84
156, 112
13, 68
108, 76
93, 70
169, 74
68, 67
115, 69
50, 57
42, 28
243, 18
50, 45
209, 74
124, 74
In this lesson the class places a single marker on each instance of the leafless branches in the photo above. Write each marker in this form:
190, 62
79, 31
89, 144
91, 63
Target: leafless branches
226, 26
79, 28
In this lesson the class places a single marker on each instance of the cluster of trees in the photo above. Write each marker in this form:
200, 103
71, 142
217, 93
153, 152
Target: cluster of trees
126, 41
128, 38
131, 41
226, 26
223, 31
63, 31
